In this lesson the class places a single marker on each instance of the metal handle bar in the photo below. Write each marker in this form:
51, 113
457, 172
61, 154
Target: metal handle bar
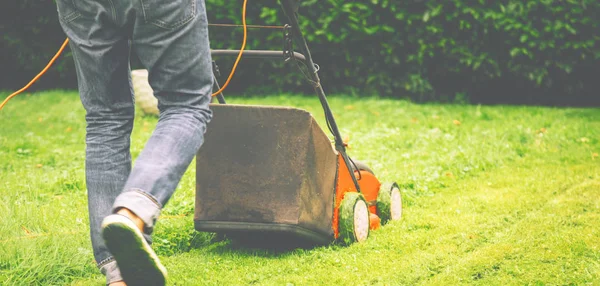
256, 54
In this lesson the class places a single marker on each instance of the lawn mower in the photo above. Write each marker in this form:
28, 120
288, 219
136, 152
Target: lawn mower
266, 170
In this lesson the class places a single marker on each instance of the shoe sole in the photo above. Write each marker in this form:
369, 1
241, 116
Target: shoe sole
137, 262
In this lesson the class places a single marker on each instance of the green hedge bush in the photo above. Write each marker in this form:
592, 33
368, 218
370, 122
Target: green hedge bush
543, 52
29, 36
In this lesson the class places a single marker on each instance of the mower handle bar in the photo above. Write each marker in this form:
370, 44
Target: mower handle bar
256, 54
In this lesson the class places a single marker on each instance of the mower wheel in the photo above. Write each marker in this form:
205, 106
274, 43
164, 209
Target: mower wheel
389, 203
353, 218
361, 167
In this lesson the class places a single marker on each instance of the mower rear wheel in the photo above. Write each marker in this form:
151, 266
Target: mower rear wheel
353, 218
389, 203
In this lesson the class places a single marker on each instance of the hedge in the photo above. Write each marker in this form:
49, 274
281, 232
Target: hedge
542, 52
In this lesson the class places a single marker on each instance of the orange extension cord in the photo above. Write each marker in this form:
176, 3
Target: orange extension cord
37, 76
239, 57
241, 50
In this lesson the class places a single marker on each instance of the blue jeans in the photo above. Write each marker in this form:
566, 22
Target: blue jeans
171, 40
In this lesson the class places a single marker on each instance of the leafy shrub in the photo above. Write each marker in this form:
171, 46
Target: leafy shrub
543, 51
29, 36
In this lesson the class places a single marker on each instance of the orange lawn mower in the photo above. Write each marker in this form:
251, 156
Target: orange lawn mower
266, 171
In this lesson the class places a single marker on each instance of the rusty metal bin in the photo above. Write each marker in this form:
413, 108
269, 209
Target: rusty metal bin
265, 170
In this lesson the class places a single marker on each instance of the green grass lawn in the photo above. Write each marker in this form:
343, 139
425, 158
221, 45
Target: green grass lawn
495, 195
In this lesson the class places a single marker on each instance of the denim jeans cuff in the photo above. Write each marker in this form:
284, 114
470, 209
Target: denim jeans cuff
111, 271
142, 204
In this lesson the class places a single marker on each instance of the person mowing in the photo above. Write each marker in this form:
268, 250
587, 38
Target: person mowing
171, 40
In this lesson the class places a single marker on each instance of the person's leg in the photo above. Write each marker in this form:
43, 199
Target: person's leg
101, 52
171, 40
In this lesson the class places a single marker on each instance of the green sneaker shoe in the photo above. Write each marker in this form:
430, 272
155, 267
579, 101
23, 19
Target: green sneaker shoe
137, 262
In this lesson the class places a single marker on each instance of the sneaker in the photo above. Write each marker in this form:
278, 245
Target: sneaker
137, 262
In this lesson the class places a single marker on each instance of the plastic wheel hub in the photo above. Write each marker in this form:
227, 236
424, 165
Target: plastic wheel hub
361, 221
396, 204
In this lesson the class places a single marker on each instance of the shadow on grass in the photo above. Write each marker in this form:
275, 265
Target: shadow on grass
174, 237
272, 245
